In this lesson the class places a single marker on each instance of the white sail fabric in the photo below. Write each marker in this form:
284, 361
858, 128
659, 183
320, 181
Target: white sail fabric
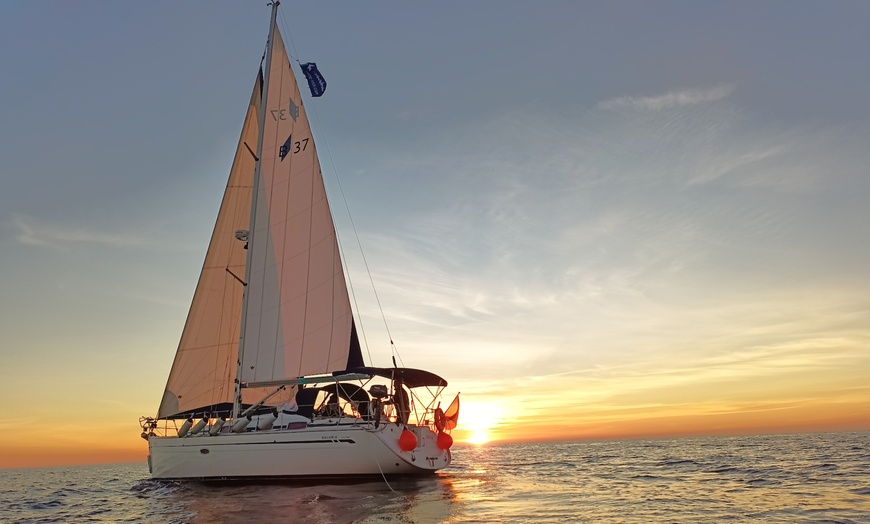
298, 319
205, 363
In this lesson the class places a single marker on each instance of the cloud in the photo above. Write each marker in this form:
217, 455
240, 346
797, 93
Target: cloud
726, 164
671, 100
539, 231
639, 257
58, 236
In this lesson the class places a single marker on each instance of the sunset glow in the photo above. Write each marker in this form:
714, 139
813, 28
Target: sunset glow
632, 222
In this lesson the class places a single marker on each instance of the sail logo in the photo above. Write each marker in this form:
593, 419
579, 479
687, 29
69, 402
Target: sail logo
294, 110
283, 150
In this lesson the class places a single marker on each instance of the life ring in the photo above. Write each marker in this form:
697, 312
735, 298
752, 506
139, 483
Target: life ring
440, 419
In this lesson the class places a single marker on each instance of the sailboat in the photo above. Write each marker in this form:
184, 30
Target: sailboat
269, 379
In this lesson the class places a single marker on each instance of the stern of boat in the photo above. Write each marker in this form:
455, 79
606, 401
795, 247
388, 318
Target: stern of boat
424, 455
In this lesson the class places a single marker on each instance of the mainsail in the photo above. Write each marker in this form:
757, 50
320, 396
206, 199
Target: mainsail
205, 362
298, 319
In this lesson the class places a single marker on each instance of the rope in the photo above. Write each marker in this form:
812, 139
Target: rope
382, 474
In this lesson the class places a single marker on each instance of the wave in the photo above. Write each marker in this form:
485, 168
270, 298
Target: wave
647, 477
678, 462
149, 487
727, 469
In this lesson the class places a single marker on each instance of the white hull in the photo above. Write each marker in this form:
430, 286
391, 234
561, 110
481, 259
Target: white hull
324, 451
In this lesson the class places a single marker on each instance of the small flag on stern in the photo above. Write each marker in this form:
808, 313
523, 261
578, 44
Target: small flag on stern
451, 414
316, 83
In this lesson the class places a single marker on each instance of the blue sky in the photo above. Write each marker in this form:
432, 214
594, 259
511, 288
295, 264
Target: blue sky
641, 201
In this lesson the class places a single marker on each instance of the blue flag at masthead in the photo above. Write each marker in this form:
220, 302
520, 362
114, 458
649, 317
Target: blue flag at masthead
316, 83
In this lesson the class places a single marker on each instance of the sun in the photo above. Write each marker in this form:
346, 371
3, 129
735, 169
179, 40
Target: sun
478, 437
478, 419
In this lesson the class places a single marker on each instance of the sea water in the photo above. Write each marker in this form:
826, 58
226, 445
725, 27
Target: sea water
820, 478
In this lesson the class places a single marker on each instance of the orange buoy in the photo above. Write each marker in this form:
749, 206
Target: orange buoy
407, 441
444, 440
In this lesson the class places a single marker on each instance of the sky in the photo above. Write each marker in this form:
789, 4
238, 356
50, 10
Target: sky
595, 220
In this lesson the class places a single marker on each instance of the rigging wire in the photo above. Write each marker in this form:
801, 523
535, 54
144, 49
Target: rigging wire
393, 348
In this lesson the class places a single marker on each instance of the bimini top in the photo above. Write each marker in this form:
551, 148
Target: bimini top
413, 378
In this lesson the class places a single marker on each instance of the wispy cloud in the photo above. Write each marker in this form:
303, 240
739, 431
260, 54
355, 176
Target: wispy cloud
640, 257
721, 166
34, 233
671, 100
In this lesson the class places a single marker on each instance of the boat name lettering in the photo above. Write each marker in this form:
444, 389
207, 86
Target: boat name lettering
329, 437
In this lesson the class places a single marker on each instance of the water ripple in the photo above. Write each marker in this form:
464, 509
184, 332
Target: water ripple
817, 478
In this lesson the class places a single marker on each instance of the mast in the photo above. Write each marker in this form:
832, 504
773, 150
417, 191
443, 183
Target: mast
237, 398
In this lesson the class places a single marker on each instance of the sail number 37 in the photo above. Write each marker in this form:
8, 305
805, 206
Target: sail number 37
292, 147
297, 147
